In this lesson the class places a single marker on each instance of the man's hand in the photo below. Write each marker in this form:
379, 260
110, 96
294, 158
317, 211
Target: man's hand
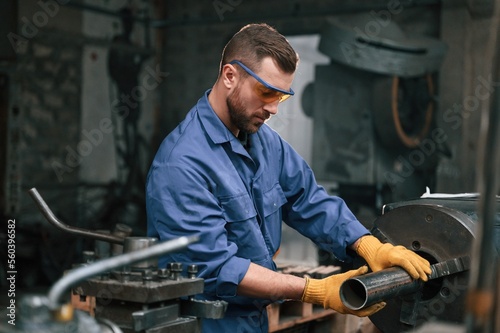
326, 292
380, 256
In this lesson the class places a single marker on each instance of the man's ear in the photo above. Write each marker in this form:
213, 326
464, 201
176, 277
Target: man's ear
230, 76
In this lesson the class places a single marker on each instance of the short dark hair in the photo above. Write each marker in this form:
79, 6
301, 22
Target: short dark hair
257, 41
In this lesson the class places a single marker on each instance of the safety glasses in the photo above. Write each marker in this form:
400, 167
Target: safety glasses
266, 92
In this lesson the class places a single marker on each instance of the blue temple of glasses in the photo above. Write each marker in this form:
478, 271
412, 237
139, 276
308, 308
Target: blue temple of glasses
267, 85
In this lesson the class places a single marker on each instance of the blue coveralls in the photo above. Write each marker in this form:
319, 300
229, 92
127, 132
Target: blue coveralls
203, 181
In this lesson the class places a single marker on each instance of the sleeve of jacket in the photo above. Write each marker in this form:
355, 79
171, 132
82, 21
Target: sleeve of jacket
325, 219
179, 203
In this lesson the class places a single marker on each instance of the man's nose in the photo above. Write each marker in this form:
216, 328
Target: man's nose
272, 108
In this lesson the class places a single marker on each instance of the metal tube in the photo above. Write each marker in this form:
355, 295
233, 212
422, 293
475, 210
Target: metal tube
364, 290
481, 293
49, 215
79, 274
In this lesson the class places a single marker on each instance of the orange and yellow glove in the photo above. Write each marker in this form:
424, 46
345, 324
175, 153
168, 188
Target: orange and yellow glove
326, 292
380, 256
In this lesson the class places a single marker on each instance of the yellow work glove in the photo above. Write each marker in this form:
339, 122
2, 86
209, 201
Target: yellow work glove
326, 292
380, 256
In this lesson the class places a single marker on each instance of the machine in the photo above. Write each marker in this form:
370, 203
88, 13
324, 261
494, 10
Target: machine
128, 293
119, 292
442, 230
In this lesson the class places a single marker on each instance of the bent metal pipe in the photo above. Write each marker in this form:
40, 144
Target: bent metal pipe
50, 216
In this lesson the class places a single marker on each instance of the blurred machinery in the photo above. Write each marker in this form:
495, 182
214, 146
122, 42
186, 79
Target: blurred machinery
383, 135
120, 288
373, 107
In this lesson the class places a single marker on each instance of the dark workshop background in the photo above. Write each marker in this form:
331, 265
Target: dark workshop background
88, 89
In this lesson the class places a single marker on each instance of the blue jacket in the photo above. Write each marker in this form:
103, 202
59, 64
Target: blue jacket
203, 181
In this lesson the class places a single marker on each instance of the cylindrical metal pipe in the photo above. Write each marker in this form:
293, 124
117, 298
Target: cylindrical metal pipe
122, 231
50, 216
133, 244
481, 293
364, 290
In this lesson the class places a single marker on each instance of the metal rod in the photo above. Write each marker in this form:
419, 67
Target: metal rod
49, 215
364, 290
79, 274
481, 293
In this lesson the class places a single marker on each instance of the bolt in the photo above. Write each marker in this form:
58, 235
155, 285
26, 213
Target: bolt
88, 257
175, 270
147, 276
163, 273
125, 274
445, 292
192, 271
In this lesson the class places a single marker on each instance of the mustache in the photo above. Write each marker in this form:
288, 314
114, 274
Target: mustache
265, 115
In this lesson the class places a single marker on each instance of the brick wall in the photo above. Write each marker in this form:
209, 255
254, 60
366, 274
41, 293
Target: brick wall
48, 78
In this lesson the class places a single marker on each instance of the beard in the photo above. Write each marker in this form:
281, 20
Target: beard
238, 115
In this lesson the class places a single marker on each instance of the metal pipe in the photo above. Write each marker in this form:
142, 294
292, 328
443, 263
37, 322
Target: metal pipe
79, 274
49, 215
481, 294
364, 290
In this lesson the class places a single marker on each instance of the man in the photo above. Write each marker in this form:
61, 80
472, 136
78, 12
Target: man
227, 176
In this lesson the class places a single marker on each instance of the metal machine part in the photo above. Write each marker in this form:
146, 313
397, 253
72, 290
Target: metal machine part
403, 110
47, 314
50, 216
35, 315
80, 274
387, 50
442, 231
348, 148
149, 300
129, 290
132, 244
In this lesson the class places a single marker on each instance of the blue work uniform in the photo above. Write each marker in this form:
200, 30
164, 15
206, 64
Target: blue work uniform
204, 181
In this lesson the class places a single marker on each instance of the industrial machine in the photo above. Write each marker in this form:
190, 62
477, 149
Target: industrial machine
442, 230
375, 138
119, 292
128, 293
374, 112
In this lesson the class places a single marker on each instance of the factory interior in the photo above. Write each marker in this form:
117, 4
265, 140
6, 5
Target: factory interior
396, 111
